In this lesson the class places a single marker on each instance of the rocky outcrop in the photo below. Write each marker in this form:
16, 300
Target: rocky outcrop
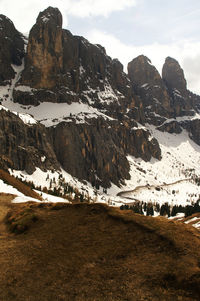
97, 151
44, 59
149, 86
170, 127
25, 147
192, 126
11, 50
174, 79
173, 76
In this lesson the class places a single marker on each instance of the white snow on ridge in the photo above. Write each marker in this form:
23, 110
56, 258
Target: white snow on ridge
21, 198
26, 118
191, 220
24, 199
48, 198
5, 188
24, 89
108, 95
145, 85
183, 118
50, 114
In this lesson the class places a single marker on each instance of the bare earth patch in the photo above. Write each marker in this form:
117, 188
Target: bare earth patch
93, 252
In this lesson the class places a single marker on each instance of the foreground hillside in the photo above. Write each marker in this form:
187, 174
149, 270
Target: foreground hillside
93, 252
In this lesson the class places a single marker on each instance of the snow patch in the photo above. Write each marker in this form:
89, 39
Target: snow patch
144, 85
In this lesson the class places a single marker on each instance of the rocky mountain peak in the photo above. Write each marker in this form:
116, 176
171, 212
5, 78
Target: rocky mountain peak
141, 71
50, 15
173, 76
149, 86
94, 105
11, 50
5, 23
44, 59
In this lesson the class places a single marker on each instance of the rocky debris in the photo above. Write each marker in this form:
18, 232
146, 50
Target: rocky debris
97, 151
11, 50
149, 85
23, 146
170, 127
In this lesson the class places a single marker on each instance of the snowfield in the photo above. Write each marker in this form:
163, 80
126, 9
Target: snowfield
172, 178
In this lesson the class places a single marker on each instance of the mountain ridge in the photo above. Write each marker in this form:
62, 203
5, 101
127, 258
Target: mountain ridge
99, 114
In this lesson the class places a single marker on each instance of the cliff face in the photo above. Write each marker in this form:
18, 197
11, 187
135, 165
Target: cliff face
97, 151
11, 50
25, 146
64, 69
44, 59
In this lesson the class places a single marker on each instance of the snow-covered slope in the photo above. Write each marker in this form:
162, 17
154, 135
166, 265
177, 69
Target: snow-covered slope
19, 197
47, 113
173, 178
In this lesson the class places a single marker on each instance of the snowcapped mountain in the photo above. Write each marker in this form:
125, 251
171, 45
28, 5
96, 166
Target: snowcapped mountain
68, 110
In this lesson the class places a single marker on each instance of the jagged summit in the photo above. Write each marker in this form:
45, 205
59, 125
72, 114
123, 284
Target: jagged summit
149, 86
173, 76
51, 14
141, 71
93, 115
44, 59
11, 50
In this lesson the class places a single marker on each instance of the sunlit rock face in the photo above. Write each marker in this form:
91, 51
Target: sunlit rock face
44, 59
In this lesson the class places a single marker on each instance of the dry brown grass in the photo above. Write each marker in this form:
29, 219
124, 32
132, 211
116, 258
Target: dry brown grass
85, 252
6, 177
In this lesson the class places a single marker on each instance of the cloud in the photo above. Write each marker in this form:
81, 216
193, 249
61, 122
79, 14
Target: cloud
186, 52
86, 8
24, 13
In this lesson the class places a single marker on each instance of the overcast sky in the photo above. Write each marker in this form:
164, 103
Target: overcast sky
127, 28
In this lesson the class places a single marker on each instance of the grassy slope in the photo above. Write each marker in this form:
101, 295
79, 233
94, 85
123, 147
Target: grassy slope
93, 252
